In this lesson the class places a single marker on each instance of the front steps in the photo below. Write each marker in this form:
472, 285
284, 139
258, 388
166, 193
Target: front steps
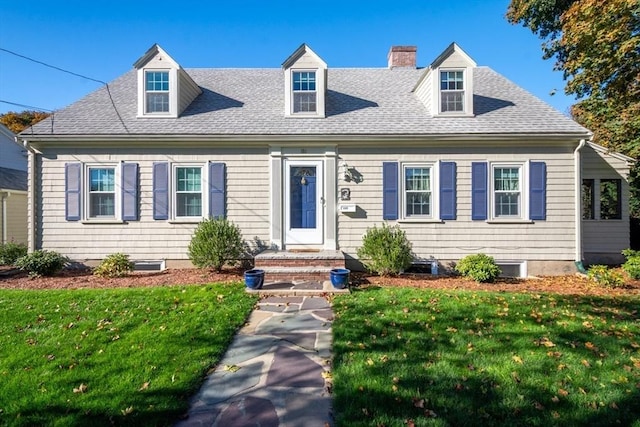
298, 272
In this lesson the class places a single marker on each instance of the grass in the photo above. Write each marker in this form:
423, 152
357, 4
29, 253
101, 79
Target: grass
104, 357
408, 357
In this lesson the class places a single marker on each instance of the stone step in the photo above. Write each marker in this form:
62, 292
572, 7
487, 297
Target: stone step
319, 259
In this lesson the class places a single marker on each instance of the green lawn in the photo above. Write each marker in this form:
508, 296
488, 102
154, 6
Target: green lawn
103, 357
407, 357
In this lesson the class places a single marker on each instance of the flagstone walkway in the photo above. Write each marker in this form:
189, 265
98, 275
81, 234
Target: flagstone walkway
274, 374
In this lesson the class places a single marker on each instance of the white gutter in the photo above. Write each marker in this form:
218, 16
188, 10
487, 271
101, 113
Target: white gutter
31, 191
578, 202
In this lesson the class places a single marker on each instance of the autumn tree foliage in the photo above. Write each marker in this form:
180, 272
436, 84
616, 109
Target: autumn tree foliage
596, 44
16, 122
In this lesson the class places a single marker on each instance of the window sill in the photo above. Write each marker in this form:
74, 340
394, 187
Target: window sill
103, 221
510, 221
305, 116
185, 221
453, 115
421, 221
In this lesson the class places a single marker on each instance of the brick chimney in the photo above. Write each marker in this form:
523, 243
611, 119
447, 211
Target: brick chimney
402, 56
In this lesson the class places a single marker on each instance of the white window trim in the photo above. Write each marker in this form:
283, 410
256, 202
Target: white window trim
204, 188
435, 192
86, 209
142, 93
524, 192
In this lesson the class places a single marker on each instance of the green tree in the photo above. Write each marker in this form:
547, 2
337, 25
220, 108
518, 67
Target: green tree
596, 44
19, 121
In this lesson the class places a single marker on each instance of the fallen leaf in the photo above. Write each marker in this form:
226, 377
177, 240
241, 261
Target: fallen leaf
327, 375
80, 389
418, 403
231, 368
538, 406
563, 392
144, 386
555, 399
586, 363
127, 411
517, 359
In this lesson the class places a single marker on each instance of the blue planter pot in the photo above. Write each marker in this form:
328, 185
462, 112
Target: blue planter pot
253, 279
339, 277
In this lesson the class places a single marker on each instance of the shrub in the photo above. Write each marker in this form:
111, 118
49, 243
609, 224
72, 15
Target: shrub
604, 276
114, 265
42, 263
632, 264
385, 251
10, 252
480, 267
216, 242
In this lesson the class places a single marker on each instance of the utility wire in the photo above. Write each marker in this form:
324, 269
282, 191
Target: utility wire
51, 66
30, 107
73, 74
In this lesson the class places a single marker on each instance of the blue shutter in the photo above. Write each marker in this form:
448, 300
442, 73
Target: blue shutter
447, 190
216, 190
479, 190
161, 190
130, 191
72, 189
538, 190
390, 190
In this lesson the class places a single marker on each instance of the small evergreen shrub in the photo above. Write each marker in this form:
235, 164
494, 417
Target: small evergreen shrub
480, 267
114, 265
10, 252
216, 242
42, 263
386, 250
604, 276
632, 264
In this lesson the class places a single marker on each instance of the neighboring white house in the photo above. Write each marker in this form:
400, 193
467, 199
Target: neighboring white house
308, 157
13, 189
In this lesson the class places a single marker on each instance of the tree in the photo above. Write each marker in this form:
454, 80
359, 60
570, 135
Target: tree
596, 44
17, 122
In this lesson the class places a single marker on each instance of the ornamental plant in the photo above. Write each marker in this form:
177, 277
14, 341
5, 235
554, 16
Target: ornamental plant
114, 265
42, 263
480, 267
604, 276
386, 250
10, 252
632, 264
216, 242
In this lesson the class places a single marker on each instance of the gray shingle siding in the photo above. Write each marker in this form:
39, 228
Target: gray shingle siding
360, 102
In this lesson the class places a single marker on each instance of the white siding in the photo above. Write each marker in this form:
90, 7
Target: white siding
552, 239
247, 177
603, 240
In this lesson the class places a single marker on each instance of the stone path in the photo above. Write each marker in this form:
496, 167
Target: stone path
273, 374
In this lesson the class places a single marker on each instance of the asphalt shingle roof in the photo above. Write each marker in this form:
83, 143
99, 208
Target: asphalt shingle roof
360, 101
13, 179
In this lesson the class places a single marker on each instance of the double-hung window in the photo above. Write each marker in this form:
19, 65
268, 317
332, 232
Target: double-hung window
304, 92
157, 91
452, 91
101, 192
507, 191
418, 191
188, 195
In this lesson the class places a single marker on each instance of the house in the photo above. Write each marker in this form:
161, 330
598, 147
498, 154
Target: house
13, 189
307, 157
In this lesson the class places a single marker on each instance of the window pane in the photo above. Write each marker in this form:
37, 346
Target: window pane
157, 80
157, 102
418, 179
101, 179
188, 179
507, 204
452, 101
417, 186
101, 205
610, 203
418, 203
587, 199
506, 179
304, 81
189, 204
304, 102
506, 187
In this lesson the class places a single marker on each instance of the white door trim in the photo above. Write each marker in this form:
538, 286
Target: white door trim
304, 236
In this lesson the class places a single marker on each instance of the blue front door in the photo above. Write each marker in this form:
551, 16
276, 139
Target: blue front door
303, 197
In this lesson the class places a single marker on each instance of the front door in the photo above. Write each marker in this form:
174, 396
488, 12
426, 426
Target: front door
303, 205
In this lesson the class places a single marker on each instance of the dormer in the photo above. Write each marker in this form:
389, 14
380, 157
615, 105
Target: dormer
165, 89
305, 84
446, 87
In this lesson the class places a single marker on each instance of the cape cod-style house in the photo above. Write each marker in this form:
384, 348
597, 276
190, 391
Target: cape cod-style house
306, 157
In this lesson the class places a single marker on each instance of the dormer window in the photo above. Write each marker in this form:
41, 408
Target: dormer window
452, 91
304, 92
157, 91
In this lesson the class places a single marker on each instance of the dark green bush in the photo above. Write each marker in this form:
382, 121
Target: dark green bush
10, 252
114, 265
604, 276
480, 267
386, 250
632, 264
42, 263
216, 242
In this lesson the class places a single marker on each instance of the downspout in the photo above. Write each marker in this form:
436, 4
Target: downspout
578, 205
3, 197
31, 188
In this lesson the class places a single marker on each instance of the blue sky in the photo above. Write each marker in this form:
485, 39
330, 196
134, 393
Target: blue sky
102, 40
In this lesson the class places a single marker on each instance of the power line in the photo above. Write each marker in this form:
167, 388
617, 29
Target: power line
51, 66
30, 107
